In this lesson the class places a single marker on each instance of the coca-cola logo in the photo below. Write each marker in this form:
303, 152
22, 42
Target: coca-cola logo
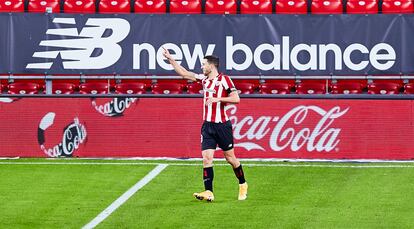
74, 134
115, 107
285, 132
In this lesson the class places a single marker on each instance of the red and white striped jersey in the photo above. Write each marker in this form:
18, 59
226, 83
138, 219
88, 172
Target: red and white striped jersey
220, 86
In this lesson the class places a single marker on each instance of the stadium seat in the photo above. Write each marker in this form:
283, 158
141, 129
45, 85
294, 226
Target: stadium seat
185, 6
150, 6
130, 88
114, 6
167, 88
397, 7
326, 7
79, 6
362, 7
276, 87
63, 88
384, 87
409, 88
12, 6
245, 87
94, 88
311, 87
221, 7
3, 86
291, 7
42, 6
347, 87
195, 88
256, 7
23, 88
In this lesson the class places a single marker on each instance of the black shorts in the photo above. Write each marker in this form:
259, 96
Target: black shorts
213, 134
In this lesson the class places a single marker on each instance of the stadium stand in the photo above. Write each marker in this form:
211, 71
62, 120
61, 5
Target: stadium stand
326, 7
150, 6
268, 86
131, 87
276, 87
385, 87
409, 88
42, 6
185, 6
221, 7
397, 6
79, 6
23, 88
114, 6
94, 88
291, 7
12, 6
312, 87
256, 7
195, 88
64, 88
348, 87
361, 7
168, 87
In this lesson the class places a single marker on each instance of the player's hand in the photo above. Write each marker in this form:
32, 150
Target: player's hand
211, 101
167, 54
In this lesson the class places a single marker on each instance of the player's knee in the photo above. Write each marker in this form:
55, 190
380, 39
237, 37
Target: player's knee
207, 161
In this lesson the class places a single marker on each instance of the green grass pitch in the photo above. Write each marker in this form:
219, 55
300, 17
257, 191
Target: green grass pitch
283, 195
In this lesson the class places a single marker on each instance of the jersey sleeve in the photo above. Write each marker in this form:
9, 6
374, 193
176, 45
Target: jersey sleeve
228, 84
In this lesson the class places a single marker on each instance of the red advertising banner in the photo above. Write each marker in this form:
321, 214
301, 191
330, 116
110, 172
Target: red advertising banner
170, 127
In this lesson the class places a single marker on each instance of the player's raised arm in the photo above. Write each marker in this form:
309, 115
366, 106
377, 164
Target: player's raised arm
178, 68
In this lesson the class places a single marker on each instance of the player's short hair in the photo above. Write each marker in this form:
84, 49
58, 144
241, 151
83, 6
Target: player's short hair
213, 60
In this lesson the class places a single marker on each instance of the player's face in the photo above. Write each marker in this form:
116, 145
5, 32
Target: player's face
206, 67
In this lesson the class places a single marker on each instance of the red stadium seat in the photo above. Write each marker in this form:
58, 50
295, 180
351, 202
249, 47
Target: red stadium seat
79, 6
94, 88
167, 88
195, 88
311, 87
245, 87
397, 7
3, 86
362, 7
185, 6
130, 88
42, 6
114, 6
221, 7
23, 88
256, 7
409, 88
276, 87
326, 7
12, 6
347, 87
291, 7
150, 6
383, 87
63, 88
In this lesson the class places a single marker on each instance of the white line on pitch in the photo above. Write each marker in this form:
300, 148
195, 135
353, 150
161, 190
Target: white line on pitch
199, 164
122, 199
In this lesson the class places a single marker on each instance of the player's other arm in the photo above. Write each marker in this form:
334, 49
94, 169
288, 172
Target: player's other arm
178, 68
233, 98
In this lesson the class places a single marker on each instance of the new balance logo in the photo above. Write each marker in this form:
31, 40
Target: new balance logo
76, 53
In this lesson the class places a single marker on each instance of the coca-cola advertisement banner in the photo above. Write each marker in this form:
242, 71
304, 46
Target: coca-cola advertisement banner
246, 44
170, 127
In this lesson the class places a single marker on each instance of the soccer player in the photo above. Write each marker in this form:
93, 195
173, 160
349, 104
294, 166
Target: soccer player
219, 90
